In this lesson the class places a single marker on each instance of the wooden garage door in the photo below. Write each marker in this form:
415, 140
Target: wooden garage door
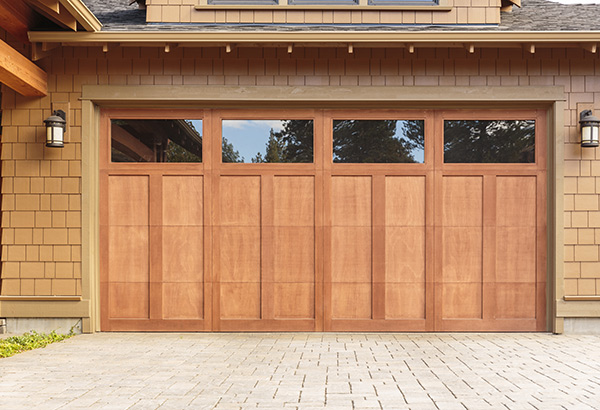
342, 220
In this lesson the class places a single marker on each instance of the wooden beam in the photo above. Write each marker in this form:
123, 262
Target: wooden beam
16, 18
129, 144
20, 74
56, 12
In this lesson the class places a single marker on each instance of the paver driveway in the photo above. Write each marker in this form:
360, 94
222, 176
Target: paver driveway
306, 371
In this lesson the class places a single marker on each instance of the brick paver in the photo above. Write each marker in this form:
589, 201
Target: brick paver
306, 371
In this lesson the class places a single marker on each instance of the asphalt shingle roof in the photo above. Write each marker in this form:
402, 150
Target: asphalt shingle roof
535, 15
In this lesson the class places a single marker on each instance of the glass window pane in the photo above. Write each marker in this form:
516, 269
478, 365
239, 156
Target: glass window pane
379, 141
489, 141
156, 140
267, 141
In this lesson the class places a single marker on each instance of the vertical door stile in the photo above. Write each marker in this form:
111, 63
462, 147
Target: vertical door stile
319, 146
267, 248
208, 144
215, 217
155, 246
488, 290
430, 166
327, 244
378, 247
437, 279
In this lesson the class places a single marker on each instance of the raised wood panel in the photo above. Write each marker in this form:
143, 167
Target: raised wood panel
128, 200
239, 257
182, 300
405, 201
294, 201
128, 254
182, 200
240, 300
462, 254
404, 254
351, 201
294, 254
183, 253
239, 200
462, 300
351, 254
351, 300
516, 254
294, 301
516, 201
516, 300
128, 300
405, 300
462, 203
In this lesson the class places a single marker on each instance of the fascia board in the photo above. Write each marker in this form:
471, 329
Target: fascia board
438, 37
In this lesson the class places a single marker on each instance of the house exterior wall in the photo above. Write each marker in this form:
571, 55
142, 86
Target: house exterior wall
41, 187
447, 12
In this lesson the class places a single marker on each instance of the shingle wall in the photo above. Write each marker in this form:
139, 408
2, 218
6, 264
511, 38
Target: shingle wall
41, 201
463, 12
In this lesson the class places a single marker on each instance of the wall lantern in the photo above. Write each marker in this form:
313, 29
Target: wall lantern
590, 129
55, 129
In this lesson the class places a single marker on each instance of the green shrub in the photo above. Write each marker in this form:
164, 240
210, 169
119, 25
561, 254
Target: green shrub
28, 341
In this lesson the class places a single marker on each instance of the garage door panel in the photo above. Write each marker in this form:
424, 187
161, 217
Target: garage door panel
462, 202
405, 254
462, 254
516, 254
351, 201
239, 200
128, 254
183, 200
351, 300
404, 201
351, 254
437, 244
183, 300
516, 201
240, 300
516, 300
294, 254
128, 200
128, 300
239, 254
183, 251
294, 300
462, 300
405, 300
294, 201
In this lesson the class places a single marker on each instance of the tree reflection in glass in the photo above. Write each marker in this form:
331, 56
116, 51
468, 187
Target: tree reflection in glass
267, 141
378, 141
489, 141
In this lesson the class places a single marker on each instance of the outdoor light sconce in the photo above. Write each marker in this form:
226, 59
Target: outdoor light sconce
590, 129
55, 129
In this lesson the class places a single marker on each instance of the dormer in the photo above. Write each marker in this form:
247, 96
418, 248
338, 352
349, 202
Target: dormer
351, 13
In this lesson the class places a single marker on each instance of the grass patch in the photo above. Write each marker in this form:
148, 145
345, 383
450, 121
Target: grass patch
29, 341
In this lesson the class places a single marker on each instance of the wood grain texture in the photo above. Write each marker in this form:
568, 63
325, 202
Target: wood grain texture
128, 200
183, 200
323, 246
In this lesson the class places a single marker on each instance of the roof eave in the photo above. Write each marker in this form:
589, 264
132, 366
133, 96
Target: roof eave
82, 14
384, 37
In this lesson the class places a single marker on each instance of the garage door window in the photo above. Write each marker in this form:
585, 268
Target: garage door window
489, 141
378, 141
267, 141
150, 140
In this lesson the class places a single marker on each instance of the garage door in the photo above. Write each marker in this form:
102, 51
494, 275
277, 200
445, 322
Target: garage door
323, 220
